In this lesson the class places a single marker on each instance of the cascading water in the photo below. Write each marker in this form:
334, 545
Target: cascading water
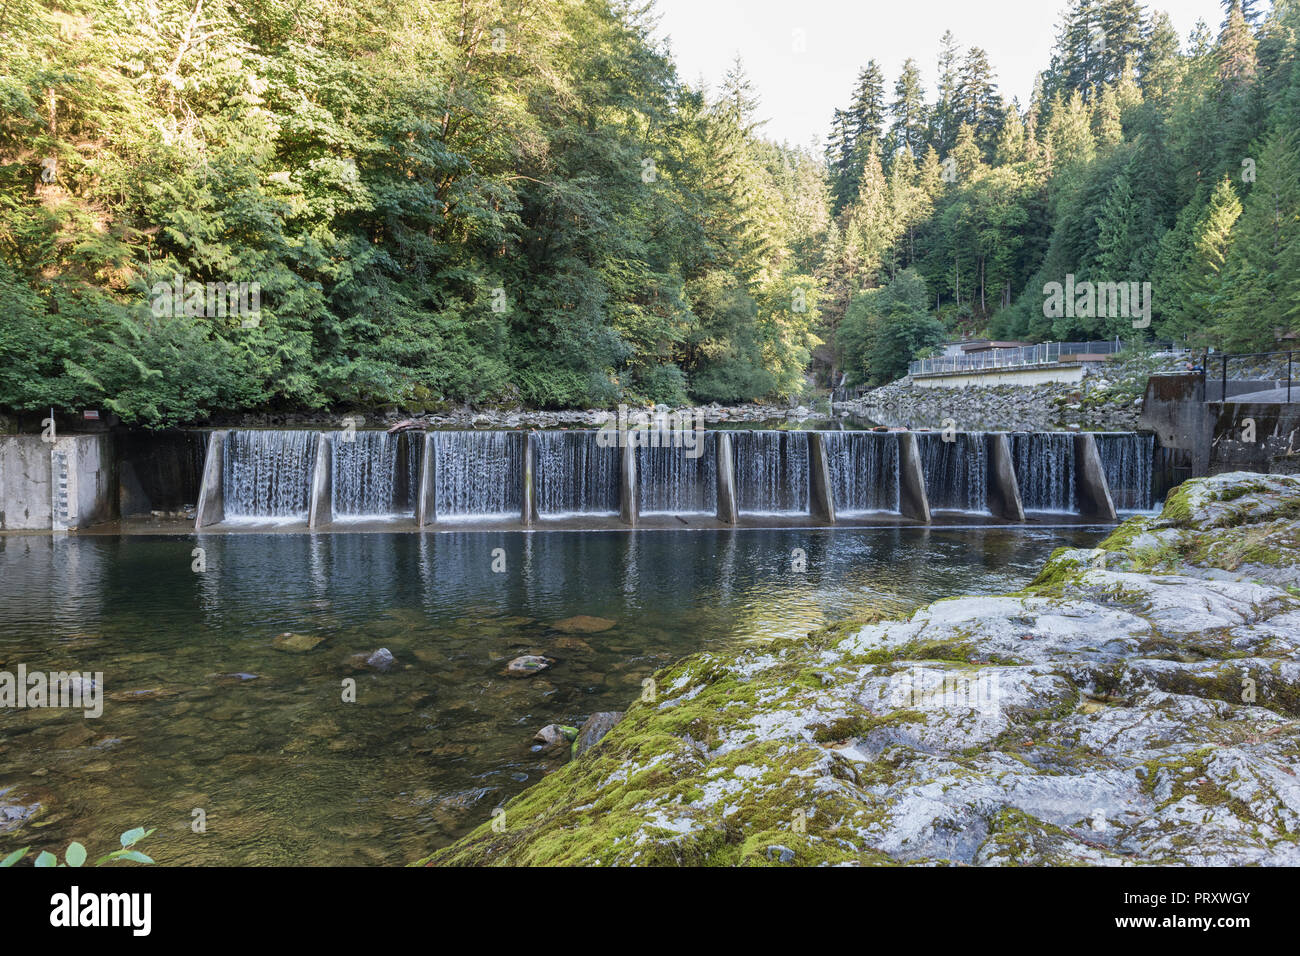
1127, 460
478, 474
672, 482
956, 472
771, 472
374, 474
267, 474
573, 475
863, 471
1044, 464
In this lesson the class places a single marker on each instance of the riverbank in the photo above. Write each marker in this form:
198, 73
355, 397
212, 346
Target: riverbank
1137, 703
1108, 399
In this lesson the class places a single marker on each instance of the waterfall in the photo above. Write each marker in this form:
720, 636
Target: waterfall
671, 482
1127, 460
771, 472
267, 474
1044, 464
956, 472
374, 474
863, 471
573, 475
478, 474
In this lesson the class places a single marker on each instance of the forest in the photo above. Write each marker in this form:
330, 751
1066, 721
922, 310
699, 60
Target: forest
521, 202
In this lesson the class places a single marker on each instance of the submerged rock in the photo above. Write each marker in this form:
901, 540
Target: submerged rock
528, 665
381, 660
555, 735
585, 624
1153, 718
295, 643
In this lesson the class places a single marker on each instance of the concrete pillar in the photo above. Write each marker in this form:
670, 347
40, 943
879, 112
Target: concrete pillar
819, 479
1004, 488
1090, 478
728, 510
321, 510
629, 507
914, 502
528, 510
426, 510
212, 505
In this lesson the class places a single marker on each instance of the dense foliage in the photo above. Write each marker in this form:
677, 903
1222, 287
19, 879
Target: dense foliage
520, 201
483, 200
1136, 162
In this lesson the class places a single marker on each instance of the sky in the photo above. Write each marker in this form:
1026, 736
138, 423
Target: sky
803, 56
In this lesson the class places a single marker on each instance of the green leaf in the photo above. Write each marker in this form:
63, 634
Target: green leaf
135, 856
13, 857
47, 859
132, 837
76, 854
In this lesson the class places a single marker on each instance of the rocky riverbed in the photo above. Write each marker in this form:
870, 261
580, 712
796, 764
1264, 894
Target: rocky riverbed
1136, 704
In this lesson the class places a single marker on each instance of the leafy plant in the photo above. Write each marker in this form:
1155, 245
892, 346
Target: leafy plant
75, 855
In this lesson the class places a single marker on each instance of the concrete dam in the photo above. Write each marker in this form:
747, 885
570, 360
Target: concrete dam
240, 480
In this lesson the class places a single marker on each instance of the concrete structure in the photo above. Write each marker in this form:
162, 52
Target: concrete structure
212, 506
1003, 487
728, 509
426, 510
629, 507
58, 485
914, 502
528, 496
321, 510
1094, 491
1067, 374
819, 480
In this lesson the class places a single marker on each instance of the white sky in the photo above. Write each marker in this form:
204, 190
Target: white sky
800, 90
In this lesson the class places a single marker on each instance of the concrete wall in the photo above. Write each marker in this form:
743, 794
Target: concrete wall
914, 501
1275, 448
1174, 408
1095, 500
75, 471
728, 509
321, 509
1003, 487
1033, 375
823, 499
212, 502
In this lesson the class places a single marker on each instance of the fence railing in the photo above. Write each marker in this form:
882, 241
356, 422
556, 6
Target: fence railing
1048, 353
1265, 367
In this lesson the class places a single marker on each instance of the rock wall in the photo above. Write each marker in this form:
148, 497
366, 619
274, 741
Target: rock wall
1137, 703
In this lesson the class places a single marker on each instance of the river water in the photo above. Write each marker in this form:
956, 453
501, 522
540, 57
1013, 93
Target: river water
203, 711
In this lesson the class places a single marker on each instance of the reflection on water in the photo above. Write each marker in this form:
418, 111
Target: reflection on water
203, 711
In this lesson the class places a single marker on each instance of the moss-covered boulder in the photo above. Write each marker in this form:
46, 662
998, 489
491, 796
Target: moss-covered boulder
1139, 703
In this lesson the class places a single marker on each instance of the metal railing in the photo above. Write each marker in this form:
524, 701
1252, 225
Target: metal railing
1048, 353
1219, 366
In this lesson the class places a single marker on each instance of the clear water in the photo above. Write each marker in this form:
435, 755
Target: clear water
204, 711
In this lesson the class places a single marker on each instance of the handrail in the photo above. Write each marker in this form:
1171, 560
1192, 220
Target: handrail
1048, 353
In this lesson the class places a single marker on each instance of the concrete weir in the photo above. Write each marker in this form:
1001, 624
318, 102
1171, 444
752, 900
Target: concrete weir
426, 511
819, 474
257, 479
1003, 488
728, 510
1094, 491
322, 505
914, 502
212, 506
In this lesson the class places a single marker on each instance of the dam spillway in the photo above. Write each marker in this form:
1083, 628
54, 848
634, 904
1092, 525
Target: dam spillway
584, 479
